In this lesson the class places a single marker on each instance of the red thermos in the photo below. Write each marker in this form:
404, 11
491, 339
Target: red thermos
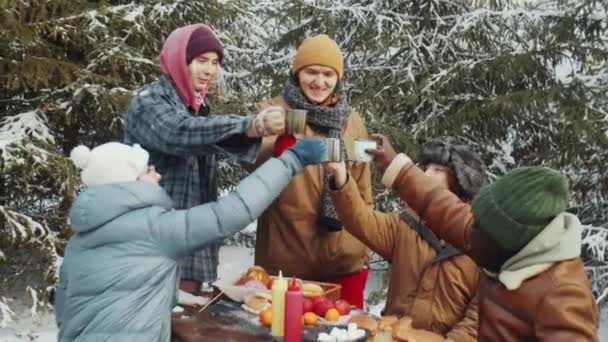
282, 143
293, 312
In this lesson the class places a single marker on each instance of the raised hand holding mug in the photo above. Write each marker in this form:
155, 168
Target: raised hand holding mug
384, 153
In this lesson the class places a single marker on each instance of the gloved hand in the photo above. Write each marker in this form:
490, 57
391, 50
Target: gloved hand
270, 121
309, 150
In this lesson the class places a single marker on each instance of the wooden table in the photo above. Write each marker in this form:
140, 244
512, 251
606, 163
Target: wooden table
225, 321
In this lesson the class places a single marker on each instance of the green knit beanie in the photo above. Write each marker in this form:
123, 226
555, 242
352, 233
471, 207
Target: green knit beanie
518, 206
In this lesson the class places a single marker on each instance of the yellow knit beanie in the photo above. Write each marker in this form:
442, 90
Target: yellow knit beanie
319, 50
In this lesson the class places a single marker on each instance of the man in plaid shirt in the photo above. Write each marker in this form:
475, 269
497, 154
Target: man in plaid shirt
171, 119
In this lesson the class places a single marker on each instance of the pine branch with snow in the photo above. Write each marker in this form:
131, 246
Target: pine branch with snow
522, 82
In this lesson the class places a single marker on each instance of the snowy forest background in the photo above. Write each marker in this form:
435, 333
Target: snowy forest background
525, 82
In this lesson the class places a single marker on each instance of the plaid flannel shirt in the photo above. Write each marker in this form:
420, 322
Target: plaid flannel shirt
183, 148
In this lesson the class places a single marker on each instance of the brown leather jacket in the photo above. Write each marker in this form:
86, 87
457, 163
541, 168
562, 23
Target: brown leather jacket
555, 305
289, 236
439, 295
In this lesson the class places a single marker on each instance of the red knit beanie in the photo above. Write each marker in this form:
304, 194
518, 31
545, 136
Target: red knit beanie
203, 40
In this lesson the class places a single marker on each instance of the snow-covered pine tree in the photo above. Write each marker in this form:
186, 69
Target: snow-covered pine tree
595, 247
524, 82
69, 69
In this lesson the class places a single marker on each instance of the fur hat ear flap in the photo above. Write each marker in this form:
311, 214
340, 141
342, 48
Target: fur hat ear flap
434, 151
467, 166
469, 169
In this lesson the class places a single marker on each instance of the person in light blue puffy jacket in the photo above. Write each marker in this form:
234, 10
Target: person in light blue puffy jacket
118, 278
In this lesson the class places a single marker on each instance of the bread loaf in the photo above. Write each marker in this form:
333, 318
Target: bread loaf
366, 322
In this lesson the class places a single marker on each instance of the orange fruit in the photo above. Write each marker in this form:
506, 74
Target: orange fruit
266, 317
310, 318
332, 315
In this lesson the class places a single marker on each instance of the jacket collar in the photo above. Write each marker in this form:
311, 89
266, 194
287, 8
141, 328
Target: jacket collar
512, 280
102, 203
560, 240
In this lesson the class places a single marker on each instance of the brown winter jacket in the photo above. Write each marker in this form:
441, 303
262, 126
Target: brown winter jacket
289, 237
555, 305
439, 296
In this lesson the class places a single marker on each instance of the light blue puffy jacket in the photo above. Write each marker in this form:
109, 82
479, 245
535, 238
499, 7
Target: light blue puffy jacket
118, 277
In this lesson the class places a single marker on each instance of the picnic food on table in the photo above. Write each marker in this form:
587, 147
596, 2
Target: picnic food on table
322, 304
352, 333
401, 327
255, 303
307, 305
387, 321
266, 317
390, 328
255, 284
332, 315
342, 306
312, 290
288, 307
310, 318
366, 322
256, 273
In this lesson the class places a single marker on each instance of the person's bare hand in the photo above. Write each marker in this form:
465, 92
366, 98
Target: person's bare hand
384, 153
270, 121
338, 171
274, 120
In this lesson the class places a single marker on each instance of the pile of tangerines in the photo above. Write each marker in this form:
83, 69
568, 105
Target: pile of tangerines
313, 309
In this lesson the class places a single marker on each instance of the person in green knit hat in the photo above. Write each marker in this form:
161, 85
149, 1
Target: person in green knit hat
534, 286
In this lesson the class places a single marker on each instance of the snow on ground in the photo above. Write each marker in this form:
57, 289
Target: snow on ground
35, 329
43, 329
232, 259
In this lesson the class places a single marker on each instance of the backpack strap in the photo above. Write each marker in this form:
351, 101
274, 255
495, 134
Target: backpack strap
422, 230
447, 252
443, 252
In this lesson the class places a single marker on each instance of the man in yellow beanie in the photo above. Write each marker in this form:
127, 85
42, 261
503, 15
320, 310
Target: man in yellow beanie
534, 286
300, 233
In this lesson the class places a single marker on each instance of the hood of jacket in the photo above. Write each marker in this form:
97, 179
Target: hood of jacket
101, 204
560, 240
173, 64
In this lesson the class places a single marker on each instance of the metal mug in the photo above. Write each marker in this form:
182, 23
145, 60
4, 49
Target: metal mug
364, 144
333, 150
295, 120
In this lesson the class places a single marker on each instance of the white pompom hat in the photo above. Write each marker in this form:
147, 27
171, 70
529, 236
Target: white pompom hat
112, 162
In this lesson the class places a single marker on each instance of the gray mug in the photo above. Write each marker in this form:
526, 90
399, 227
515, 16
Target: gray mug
295, 121
361, 145
333, 150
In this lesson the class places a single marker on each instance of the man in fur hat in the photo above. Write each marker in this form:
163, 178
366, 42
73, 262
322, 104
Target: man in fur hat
533, 286
431, 281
